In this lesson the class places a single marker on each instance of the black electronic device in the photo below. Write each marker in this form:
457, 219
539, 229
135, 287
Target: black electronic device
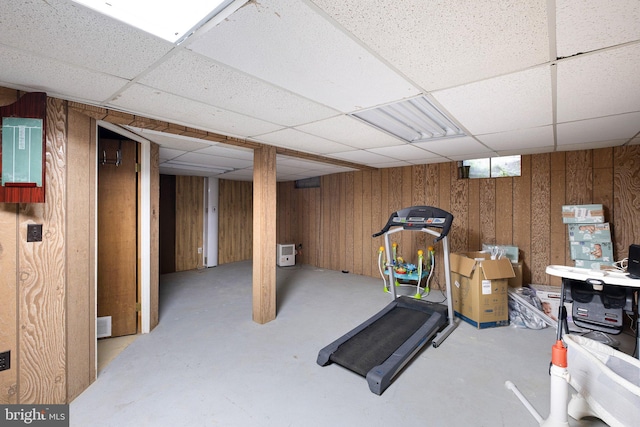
633, 262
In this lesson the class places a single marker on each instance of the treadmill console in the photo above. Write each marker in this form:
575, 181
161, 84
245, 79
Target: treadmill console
419, 217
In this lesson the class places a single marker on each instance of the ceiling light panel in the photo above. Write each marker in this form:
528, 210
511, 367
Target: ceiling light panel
413, 120
167, 19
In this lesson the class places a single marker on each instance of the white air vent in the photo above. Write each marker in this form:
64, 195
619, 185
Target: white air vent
104, 327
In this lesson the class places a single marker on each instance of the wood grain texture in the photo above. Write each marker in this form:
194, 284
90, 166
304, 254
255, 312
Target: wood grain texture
523, 216
540, 248
189, 222
626, 200
264, 237
42, 358
235, 221
8, 281
558, 238
81, 260
154, 235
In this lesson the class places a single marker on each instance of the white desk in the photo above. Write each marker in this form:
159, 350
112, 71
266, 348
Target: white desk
584, 274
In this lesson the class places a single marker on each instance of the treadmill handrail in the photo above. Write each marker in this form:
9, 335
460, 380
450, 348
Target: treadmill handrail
421, 212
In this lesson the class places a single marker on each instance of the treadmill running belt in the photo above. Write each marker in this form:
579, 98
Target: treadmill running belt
374, 344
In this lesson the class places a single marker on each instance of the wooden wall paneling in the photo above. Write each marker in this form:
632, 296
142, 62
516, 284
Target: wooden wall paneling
558, 250
378, 219
409, 246
264, 236
418, 194
154, 236
315, 237
342, 224
385, 212
349, 220
523, 220
189, 222
603, 190
504, 211
367, 226
357, 223
487, 211
579, 177
626, 202
444, 202
329, 233
396, 185
235, 221
81, 262
41, 362
8, 282
540, 249
473, 215
459, 208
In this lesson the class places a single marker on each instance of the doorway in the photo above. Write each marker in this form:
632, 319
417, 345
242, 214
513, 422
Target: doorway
117, 289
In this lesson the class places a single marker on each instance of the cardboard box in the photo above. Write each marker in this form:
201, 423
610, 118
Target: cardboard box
594, 265
550, 298
592, 251
516, 281
480, 289
587, 214
589, 232
509, 251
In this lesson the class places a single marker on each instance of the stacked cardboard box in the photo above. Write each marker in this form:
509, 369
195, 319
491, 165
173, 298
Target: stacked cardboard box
590, 242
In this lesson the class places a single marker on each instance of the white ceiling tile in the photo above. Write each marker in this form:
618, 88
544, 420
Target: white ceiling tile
296, 140
286, 43
591, 145
213, 161
526, 150
514, 101
395, 164
169, 140
21, 69
519, 139
350, 131
195, 77
175, 109
587, 25
222, 150
169, 153
406, 152
599, 84
455, 147
80, 36
440, 44
238, 175
363, 156
621, 127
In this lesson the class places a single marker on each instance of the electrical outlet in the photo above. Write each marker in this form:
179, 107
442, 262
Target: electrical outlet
34, 232
5, 360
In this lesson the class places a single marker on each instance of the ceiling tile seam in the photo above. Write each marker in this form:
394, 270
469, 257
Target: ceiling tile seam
258, 79
173, 51
596, 51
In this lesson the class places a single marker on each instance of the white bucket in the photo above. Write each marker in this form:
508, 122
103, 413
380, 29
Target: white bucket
607, 382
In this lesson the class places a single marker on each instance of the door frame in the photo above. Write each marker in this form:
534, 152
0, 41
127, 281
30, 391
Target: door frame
144, 200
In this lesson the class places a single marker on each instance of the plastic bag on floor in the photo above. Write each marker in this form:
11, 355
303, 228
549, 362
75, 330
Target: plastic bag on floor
524, 317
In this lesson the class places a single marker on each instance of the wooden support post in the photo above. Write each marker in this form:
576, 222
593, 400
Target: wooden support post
264, 234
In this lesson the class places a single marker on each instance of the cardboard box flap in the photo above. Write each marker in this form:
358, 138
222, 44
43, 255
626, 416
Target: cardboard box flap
462, 265
498, 269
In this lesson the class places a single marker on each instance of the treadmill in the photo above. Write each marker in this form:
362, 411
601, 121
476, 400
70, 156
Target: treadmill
380, 347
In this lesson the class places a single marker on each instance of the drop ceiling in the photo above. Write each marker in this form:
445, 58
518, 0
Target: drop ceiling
518, 77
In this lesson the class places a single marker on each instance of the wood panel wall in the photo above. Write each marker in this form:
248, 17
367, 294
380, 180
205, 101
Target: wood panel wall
189, 222
235, 221
47, 289
334, 223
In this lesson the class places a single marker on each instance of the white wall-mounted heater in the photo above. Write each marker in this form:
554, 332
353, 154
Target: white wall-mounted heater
286, 255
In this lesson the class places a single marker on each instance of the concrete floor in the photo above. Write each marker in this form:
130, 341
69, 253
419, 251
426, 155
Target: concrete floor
208, 364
